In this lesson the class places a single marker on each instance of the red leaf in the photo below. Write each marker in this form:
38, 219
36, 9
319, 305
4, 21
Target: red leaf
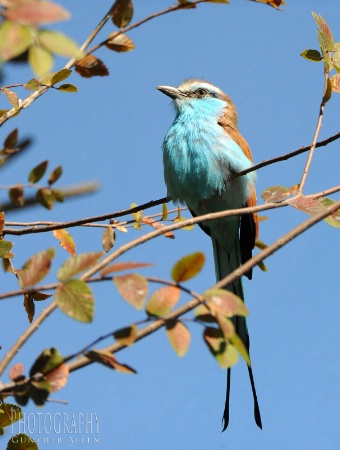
133, 288
163, 300
36, 268
90, 66
118, 267
58, 377
34, 12
179, 337
66, 241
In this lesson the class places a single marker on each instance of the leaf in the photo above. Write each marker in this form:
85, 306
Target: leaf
121, 229
120, 43
261, 265
29, 306
77, 264
68, 88
179, 336
312, 55
127, 335
162, 301
40, 60
164, 211
48, 360
34, 12
133, 288
55, 175
276, 194
108, 239
75, 299
66, 241
16, 195
60, 44
137, 216
2, 222
38, 172
5, 249
312, 206
90, 66
187, 267
181, 219
108, 360
328, 93
117, 267
324, 32
158, 226
225, 303
241, 348
62, 75
226, 326
225, 353
39, 391
16, 372
45, 197
21, 442
335, 83
9, 414
58, 195
14, 39
203, 314
11, 140
36, 268
11, 97
58, 377
122, 13
32, 85
40, 296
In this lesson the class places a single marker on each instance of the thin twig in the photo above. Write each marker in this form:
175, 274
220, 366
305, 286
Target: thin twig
316, 134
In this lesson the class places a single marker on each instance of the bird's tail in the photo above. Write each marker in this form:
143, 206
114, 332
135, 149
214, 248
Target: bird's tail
225, 263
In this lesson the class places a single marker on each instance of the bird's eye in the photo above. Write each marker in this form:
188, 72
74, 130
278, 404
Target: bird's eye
201, 92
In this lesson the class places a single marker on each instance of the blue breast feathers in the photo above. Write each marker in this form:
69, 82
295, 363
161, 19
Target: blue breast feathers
200, 157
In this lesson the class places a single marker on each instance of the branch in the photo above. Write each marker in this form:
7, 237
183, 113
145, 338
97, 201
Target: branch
281, 242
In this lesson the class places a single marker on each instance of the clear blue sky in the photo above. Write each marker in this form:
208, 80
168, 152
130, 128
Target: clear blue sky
112, 131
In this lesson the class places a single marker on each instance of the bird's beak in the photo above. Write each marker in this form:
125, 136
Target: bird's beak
171, 92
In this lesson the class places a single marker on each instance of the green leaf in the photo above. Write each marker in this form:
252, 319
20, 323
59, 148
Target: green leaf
9, 414
225, 353
67, 88
5, 249
59, 43
40, 60
38, 172
164, 211
62, 75
179, 336
127, 335
11, 97
122, 13
77, 264
48, 360
36, 268
45, 197
241, 348
32, 85
11, 140
133, 288
312, 206
324, 32
137, 216
21, 442
55, 175
75, 299
39, 391
16, 195
14, 39
188, 267
162, 301
312, 55
328, 93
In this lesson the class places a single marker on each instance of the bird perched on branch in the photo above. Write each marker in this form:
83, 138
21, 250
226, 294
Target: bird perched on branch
202, 152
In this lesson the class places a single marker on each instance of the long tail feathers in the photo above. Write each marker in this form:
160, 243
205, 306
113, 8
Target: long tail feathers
225, 263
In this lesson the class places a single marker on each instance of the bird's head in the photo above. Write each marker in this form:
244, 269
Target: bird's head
200, 95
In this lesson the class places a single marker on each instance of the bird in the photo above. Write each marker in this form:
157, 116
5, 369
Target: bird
202, 152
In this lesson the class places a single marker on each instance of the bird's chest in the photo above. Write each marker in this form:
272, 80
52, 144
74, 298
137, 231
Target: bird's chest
193, 155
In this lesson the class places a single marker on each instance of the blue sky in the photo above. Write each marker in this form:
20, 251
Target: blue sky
112, 131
